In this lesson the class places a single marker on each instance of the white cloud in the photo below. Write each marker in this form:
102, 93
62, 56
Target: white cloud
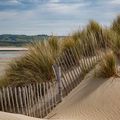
16, 16
14, 1
64, 8
114, 2
7, 3
52, 1
51, 14
7, 15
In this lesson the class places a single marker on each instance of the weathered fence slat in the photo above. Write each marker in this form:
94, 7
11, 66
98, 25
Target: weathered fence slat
66, 75
42, 101
64, 80
12, 99
30, 100
25, 107
70, 78
9, 101
16, 100
1, 101
72, 63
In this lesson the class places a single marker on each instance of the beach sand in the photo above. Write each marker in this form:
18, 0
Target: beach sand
6, 56
10, 116
93, 99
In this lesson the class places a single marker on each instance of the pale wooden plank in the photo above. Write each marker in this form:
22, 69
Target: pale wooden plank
1, 100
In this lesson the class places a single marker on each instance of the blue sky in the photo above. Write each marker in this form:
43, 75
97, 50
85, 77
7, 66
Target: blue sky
58, 17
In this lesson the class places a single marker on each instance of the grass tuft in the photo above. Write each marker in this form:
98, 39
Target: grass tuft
93, 26
86, 44
54, 46
35, 66
116, 25
108, 66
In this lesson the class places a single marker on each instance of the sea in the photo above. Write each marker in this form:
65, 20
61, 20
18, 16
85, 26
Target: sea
6, 56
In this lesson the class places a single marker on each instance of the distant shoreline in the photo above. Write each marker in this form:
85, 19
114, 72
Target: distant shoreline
13, 49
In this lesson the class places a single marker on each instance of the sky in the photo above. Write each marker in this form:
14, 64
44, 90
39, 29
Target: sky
58, 17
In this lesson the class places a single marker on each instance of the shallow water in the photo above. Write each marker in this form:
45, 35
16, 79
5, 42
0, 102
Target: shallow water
10, 54
6, 57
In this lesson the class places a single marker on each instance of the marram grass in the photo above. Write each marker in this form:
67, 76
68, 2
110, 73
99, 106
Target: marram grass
108, 66
94, 26
36, 64
69, 52
54, 45
116, 25
116, 45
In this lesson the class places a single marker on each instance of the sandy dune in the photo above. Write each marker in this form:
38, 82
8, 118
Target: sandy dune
93, 99
9, 116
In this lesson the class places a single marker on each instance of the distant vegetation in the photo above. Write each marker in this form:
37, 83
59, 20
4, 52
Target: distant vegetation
19, 40
36, 65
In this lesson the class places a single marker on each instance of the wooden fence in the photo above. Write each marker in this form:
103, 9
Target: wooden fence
35, 100
38, 99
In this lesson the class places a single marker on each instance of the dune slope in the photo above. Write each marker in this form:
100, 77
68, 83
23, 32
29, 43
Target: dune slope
10, 116
93, 99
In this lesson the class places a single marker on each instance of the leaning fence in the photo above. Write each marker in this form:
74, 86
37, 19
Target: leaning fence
38, 99
35, 100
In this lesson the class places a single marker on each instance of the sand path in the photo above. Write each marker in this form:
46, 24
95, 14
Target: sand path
93, 99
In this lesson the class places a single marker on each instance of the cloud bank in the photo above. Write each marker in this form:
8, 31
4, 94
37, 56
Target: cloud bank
53, 16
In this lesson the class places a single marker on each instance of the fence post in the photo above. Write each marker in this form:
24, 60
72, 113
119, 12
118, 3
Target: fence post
57, 72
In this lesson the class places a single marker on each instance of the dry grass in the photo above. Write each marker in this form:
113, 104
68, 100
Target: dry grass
36, 65
108, 66
68, 43
54, 45
116, 25
116, 41
116, 45
88, 43
94, 26
102, 36
69, 52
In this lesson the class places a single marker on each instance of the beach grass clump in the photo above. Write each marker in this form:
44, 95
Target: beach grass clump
115, 44
108, 66
67, 43
35, 66
84, 41
102, 36
116, 25
85, 44
88, 44
94, 26
68, 56
76, 35
89, 38
98, 33
107, 37
54, 45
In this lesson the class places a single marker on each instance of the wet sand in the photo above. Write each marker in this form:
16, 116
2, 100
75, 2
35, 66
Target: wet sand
6, 56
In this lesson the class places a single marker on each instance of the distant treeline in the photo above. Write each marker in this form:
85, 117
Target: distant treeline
19, 40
